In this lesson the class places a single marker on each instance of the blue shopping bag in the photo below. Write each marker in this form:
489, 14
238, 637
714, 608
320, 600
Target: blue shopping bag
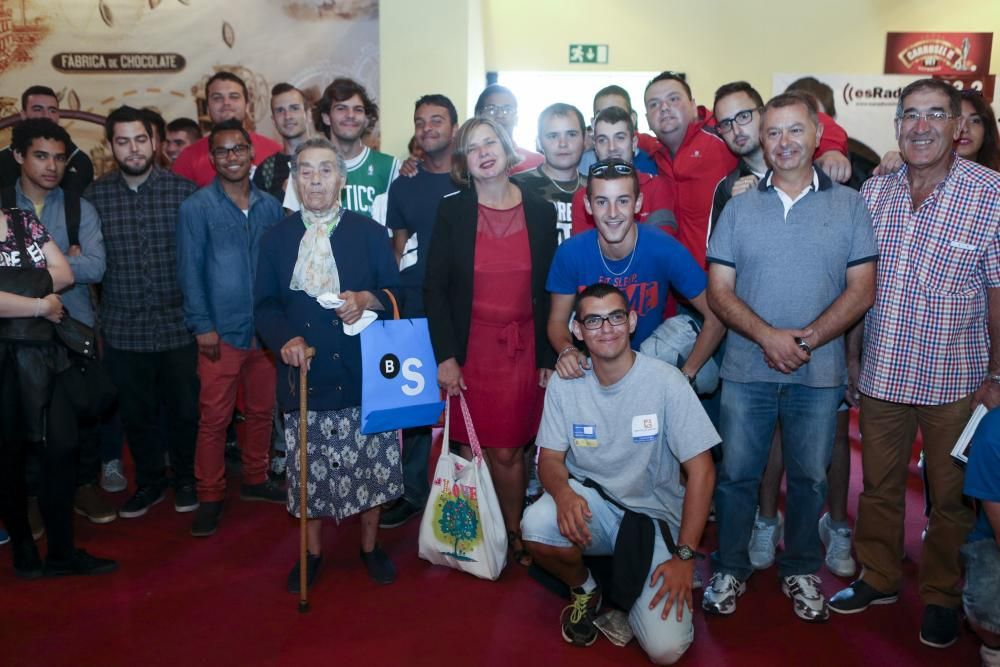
398, 376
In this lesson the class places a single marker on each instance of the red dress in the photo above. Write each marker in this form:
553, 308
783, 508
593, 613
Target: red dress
500, 370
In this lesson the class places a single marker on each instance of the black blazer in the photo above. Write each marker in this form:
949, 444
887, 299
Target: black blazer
450, 268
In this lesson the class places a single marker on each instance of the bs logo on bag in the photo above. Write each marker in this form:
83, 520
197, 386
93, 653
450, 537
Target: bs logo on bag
390, 367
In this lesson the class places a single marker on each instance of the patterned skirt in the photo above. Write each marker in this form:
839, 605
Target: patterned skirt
349, 472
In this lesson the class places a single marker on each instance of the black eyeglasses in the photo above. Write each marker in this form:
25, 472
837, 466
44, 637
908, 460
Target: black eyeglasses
239, 150
725, 125
594, 322
619, 166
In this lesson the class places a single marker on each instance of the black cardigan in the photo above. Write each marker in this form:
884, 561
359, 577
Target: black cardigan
450, 268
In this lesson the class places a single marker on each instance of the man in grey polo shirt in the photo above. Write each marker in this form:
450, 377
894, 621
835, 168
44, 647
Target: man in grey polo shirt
792, 266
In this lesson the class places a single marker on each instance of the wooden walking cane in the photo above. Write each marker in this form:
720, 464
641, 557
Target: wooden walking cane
303, 478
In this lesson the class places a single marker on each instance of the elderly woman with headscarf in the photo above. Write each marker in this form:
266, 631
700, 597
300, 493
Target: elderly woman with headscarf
337, 255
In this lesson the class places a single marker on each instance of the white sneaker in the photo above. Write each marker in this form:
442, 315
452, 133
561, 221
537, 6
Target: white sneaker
720, 596
113, 476
837, 542
764, 540
808, 601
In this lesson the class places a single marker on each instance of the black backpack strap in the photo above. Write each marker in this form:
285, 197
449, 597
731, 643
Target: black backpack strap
17, 226
664, 528
8, 197
71, 207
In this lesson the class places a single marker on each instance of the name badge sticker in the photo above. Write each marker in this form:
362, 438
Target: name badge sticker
962, 246
645, 428
585, 435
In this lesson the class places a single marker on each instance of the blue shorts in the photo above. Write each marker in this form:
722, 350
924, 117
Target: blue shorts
981, 596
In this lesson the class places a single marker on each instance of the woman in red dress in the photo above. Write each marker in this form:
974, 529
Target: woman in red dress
487, 307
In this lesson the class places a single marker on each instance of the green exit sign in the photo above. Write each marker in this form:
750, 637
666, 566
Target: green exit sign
582, 54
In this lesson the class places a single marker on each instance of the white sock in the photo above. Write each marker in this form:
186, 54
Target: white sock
589, 585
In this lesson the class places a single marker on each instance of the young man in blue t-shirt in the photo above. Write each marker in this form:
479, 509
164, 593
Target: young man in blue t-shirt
981, 553
642, 261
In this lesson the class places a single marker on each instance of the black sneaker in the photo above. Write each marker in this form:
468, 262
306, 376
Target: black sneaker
140, 502
80, 563
380, 568
859, 596
578, 618
206, 518
267, 492
401, 512
185, 498
939, 627
312, 571
27, 563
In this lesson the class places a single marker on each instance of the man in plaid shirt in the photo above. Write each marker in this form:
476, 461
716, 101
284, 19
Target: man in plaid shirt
931, 351
148, 350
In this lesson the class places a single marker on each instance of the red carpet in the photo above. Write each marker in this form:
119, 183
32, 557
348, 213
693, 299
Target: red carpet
221, 601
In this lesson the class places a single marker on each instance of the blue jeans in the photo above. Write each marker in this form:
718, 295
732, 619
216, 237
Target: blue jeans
749, 414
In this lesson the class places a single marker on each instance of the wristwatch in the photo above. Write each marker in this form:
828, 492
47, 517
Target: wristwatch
684, 552
995, 379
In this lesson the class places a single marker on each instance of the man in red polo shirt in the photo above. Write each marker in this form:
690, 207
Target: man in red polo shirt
226, 96
693, 158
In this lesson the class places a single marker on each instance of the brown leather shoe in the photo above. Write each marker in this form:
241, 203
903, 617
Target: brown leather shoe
90, 503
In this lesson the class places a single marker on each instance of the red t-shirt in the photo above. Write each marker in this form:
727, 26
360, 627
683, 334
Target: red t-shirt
195, 164
657, 203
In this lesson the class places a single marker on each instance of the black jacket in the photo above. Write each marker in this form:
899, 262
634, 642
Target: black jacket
724, 192
450, 268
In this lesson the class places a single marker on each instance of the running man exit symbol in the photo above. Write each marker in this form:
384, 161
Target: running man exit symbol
588, 54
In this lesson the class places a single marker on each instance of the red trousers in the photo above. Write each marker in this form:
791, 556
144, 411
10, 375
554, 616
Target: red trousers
252, 373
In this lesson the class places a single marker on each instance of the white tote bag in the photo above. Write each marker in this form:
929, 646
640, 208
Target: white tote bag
462, 526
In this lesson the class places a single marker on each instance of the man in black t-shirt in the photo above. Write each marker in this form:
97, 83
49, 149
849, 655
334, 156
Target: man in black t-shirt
561, 137
290, 115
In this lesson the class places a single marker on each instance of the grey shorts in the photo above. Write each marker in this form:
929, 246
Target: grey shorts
981, 596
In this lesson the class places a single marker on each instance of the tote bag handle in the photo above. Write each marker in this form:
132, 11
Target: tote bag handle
477, 450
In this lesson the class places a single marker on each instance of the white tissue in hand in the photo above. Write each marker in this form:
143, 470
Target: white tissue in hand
329, 300
367, 317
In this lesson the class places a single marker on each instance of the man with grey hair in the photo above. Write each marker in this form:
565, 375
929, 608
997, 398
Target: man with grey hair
931, 351
792, 266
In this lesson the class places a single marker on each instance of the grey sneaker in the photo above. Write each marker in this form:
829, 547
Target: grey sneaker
809, 603
764, 541
720, 596
113, 477
838, 548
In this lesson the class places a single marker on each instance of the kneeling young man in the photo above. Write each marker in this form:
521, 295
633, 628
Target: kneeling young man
612, 445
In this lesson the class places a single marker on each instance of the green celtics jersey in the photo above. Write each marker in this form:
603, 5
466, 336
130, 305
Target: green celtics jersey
368, 179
